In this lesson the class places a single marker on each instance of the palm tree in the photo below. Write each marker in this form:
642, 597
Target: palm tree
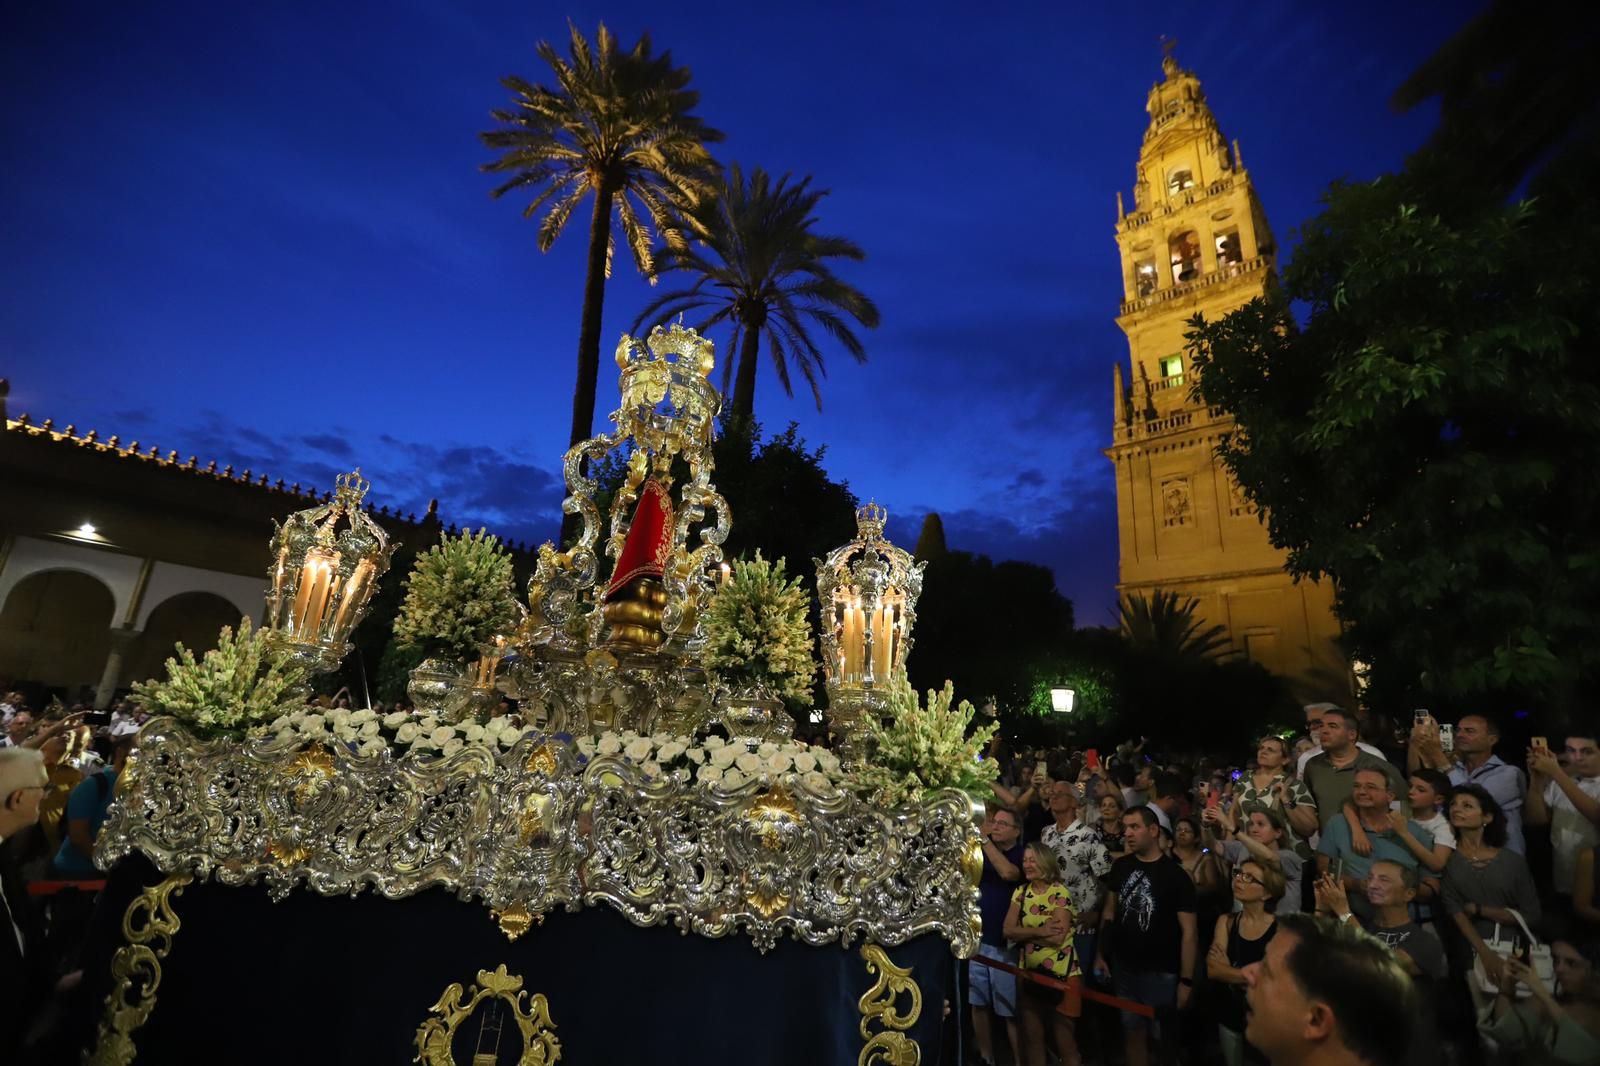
1160, 625
757, 262
616, 125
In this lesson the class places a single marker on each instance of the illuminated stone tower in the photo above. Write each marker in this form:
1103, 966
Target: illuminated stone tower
1198, 241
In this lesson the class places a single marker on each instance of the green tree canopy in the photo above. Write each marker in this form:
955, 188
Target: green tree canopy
1426, 437
1164, 627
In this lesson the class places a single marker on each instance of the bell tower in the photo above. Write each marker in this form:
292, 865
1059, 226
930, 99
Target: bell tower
1197, 241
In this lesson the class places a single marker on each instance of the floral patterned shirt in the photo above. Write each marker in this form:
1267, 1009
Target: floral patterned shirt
1084, 860
1033, 911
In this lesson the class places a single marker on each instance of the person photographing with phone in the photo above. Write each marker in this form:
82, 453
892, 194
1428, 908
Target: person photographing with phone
1472, 761
992, 993
1557, 1026
1568, 801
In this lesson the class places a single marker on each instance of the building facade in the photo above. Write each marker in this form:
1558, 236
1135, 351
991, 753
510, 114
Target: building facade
1197, 242
111, 552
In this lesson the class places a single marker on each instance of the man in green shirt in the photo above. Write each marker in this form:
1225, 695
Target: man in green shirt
1331, 774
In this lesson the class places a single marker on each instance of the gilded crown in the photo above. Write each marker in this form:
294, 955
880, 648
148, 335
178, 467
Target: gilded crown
351, 488
871, 520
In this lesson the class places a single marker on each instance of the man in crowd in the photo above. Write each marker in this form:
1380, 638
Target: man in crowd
1474, 762
1330, 773
1389, 890
1314, 714
24, 974
1147, 930
993, 992
1167, 802
1327, 994
1568, 801
1371, 796
1084, 860
17, 730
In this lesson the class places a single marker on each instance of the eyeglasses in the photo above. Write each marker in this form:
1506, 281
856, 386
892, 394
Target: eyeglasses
1249, 879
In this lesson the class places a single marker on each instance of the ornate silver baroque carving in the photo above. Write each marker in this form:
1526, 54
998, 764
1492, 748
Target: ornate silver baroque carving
531, 829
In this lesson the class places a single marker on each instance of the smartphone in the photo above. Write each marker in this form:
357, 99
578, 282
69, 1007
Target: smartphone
1541, 744
1041, 767
1419, 715
1337, 870
1213, 798
1447, 737
1091, 759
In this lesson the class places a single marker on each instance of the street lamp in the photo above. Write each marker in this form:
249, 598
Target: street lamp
1061, 700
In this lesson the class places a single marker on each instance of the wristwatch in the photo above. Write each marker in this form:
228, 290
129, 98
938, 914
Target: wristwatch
1345, 917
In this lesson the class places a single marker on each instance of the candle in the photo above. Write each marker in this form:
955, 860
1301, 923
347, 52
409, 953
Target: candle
319, 569
297, 613
882, 643
723, 574
354, 591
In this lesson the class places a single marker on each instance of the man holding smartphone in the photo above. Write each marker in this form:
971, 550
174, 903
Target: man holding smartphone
1568, 801
990, 992
1473, 762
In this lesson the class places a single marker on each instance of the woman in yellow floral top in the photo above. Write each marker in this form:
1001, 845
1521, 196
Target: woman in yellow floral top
1041, 920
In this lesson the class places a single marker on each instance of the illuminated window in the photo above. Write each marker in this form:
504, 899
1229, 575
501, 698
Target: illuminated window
1179, 180
1144, 277
1172, 370
1184, 250
1228, 248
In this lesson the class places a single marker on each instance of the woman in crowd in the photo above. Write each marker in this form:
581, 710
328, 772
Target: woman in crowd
1111, 809
1484, 880
1552, 1027
1041, 919
1273, 786
1264, 838
1239, 940
1196, 859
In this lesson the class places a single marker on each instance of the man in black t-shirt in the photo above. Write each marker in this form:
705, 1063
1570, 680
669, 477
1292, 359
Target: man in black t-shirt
1147, 930
990, 991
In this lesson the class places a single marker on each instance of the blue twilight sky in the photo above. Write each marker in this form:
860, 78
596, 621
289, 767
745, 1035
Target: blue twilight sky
257, 233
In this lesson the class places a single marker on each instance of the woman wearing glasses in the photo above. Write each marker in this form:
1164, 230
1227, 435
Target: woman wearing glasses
1241, 939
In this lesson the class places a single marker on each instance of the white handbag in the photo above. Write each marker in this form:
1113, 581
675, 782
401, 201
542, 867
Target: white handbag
1538, 959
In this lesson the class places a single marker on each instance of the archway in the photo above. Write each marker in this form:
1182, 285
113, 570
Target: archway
55, 630
194, 618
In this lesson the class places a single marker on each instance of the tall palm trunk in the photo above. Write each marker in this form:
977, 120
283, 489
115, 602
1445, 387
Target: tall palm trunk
744, 383
594, 298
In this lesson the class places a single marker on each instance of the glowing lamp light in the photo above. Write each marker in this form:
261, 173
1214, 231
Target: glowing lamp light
1062, 699
86, 530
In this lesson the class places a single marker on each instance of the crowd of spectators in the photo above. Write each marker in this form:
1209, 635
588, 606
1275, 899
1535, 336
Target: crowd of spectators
1463, 871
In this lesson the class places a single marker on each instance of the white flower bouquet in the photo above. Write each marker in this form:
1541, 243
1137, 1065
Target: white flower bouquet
244, 680
459, 597
758, 634
925, 748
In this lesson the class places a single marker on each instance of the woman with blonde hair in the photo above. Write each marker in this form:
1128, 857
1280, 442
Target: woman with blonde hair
1041, 919
1240, 940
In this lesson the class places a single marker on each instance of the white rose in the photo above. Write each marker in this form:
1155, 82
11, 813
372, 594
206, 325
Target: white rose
280, 723
805, 762
427, 723
511, 732
652, 769
629, 736
424, 742
816, 781
749, 762
369, 729
297, 718
344, 732
659, 739
473, 733
363, 716
406, 733
670, 751
696, 756
828, 761
374, 747
586, 746
766, 749
778, 763
732, 779
453, 745
713, 743
443, 735
395, 719
708, 775
609, 744
284, 736
722, 758
311, 723
639, 750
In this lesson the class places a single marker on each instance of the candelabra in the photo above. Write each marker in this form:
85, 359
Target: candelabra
323, 577
868, 591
